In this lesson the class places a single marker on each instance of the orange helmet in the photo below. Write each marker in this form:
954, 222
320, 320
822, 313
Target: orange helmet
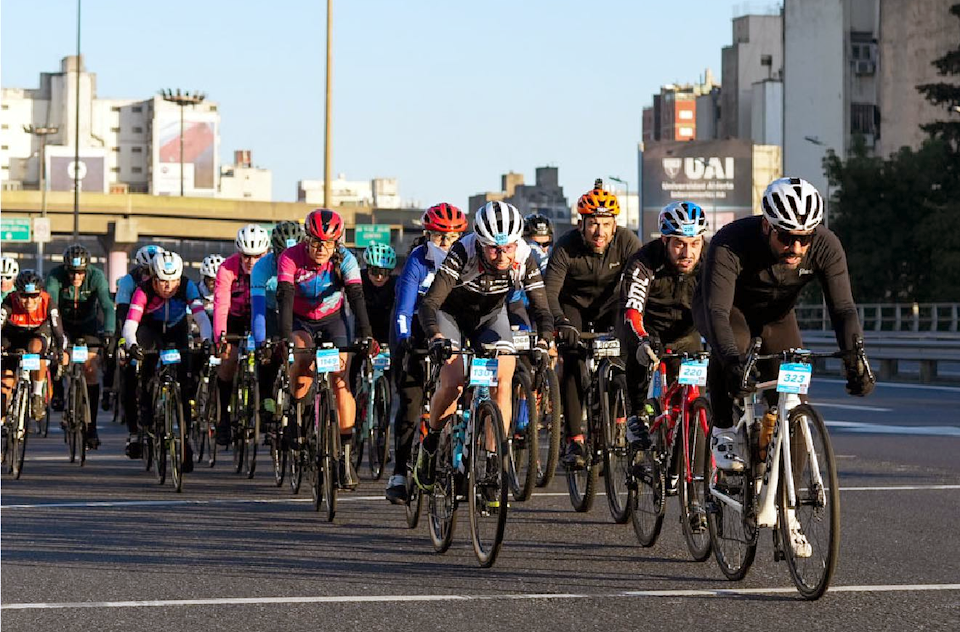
598, 202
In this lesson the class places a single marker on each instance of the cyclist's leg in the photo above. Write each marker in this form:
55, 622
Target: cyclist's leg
178, 335
410, 390
301, 371
570, 385
444, 402
91, 374
225, 374
39, 342
778, 336
496, 330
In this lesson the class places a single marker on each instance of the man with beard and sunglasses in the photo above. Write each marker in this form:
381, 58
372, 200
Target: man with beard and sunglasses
752, 275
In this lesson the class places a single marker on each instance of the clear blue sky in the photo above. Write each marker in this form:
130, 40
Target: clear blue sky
444, 95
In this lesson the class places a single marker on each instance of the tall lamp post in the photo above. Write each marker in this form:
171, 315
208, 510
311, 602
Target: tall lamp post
76, 141
328, 115
713, 224
826, 200
182, 100
626, 196
41, 133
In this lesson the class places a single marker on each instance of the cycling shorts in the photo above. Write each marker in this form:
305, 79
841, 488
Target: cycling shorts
332, 328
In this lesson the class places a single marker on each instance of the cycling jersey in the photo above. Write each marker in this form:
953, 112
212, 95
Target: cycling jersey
128, 284
578, 276
78, 306
231, 294
655, 296
4, 294
740, 271
379, 301
472, 292
263, 295
415, 279
312, 292
147, 306
19, 325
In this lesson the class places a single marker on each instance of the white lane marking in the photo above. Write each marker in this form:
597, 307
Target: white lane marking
722, 592
268, 501
90, 459
924, 431
930, 387
871, 409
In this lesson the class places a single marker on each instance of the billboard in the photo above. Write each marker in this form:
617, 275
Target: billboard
716, 174
200, 151
91, 168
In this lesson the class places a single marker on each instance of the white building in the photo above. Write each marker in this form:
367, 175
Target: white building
755, 56
243, 181
376, 193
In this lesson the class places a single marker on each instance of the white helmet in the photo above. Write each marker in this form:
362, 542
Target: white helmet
167, 266
9, 268
210, 265
792, 204
682, 219
145, 255
253, 239
498, 224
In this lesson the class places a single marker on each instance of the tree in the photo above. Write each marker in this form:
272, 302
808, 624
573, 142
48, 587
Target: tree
945, 94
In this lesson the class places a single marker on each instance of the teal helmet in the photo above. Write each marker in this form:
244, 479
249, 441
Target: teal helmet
379, 255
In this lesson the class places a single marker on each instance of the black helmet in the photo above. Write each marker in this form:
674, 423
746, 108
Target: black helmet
76, 258
28, 282
285, 235
537, 225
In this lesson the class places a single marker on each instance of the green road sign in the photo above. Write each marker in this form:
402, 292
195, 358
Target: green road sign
15, 229
367, 234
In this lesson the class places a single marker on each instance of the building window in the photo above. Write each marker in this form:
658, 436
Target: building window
115, 169
115, 130
137, 130
4, 147
115, 108
137, 108
137, 150
137, 169
5, 106
212, 108
115, 149
685, 115
863, 118
4, 126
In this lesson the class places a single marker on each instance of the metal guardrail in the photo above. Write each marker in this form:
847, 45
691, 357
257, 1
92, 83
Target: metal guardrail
889, 317
886, 349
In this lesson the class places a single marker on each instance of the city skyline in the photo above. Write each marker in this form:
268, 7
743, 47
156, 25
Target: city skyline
413, 105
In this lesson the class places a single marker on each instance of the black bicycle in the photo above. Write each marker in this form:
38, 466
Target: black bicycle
245, 406
18, 412
167, 435
76, 408
205, 408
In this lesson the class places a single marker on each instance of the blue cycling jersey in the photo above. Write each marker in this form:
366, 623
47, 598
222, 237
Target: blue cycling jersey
263, 295
414, 281
126, 286
541, 256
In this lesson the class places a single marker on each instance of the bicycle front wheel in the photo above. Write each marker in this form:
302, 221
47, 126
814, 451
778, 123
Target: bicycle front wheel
295, 454
693, 513
548, 428
414, 497
18, 436
177, 438
523, 437
442, 502
70, 422
81, 418
487, 483
582, 482
734, 536
252, 430
616, 452
379, 452
648, 477
331, 466
810, 526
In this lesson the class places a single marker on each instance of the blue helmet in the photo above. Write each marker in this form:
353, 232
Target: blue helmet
379, 255
682, 219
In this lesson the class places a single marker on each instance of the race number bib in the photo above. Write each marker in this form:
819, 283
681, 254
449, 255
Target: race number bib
521, 341
79, 355
483, 372
170, 356
328, 360
693, 373
381, 362
794, 378
30, 362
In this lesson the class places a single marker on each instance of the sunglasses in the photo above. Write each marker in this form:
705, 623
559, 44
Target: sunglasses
443, 239
321, 244
373, 271
788, 239
494, 251
251, 257
76, 272
29, 297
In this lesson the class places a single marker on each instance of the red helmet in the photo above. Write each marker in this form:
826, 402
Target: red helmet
444, 218
324, 224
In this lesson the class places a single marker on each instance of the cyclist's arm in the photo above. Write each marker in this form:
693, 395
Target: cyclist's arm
634, 293
353, 288
138, 303
126, 286
835, 280
221, 299
721, 268
534, 286
447, 277
258, 299
195, 305
53, 287
408, 288
4, 312
554, 277
106, 304
60, 338
286, 268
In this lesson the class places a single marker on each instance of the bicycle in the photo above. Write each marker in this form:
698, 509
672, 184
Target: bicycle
205, 407
793, 490
414, 504
168, 434
679, 426
467, 468
18, 410
244, 406
76, 408
279, 431
522, 437
374, 400
604, 427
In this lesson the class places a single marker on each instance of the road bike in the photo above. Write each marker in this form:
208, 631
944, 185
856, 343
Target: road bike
205, 407
167, 435
18, 411
76, 407
373, 414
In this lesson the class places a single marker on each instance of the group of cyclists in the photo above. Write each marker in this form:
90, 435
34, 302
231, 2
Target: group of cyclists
464, 283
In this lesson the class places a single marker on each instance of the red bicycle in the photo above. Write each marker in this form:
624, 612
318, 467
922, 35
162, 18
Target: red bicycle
674, 467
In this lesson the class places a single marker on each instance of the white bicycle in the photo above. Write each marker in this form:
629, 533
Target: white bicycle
792, 490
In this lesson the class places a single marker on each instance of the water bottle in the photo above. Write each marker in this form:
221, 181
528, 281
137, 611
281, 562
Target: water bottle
458, 436
523, 419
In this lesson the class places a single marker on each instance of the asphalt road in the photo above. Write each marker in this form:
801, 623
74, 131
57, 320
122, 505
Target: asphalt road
104, 548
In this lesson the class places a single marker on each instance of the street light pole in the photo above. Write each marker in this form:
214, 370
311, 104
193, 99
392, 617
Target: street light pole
41, 133
76, 143
326, 109
182, 100
713, 224
626, 196
826, 201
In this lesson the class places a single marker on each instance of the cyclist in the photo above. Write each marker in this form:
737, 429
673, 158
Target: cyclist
312, 279
126, 286
752, 274
156, 319
263, 303
30, 323
655, 298
538, 233
9, 269
231, 311
80, 291
208, 280
442, 226
467, 301
379, 287
583, 287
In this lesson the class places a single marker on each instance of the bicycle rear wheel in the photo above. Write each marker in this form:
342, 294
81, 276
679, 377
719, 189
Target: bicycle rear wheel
70, 422
331, 466
296, 455
379, 452
414, 497
487, 484
734, 538
251, 432
647, 475
582, 483
616, 452
177, 445
523, 453
442, 502
82, 419
817, 508
160, 447
18, 436
548, 428
693, 513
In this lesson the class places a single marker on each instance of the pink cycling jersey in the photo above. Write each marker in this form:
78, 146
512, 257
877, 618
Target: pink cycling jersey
231, 294
317, 291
